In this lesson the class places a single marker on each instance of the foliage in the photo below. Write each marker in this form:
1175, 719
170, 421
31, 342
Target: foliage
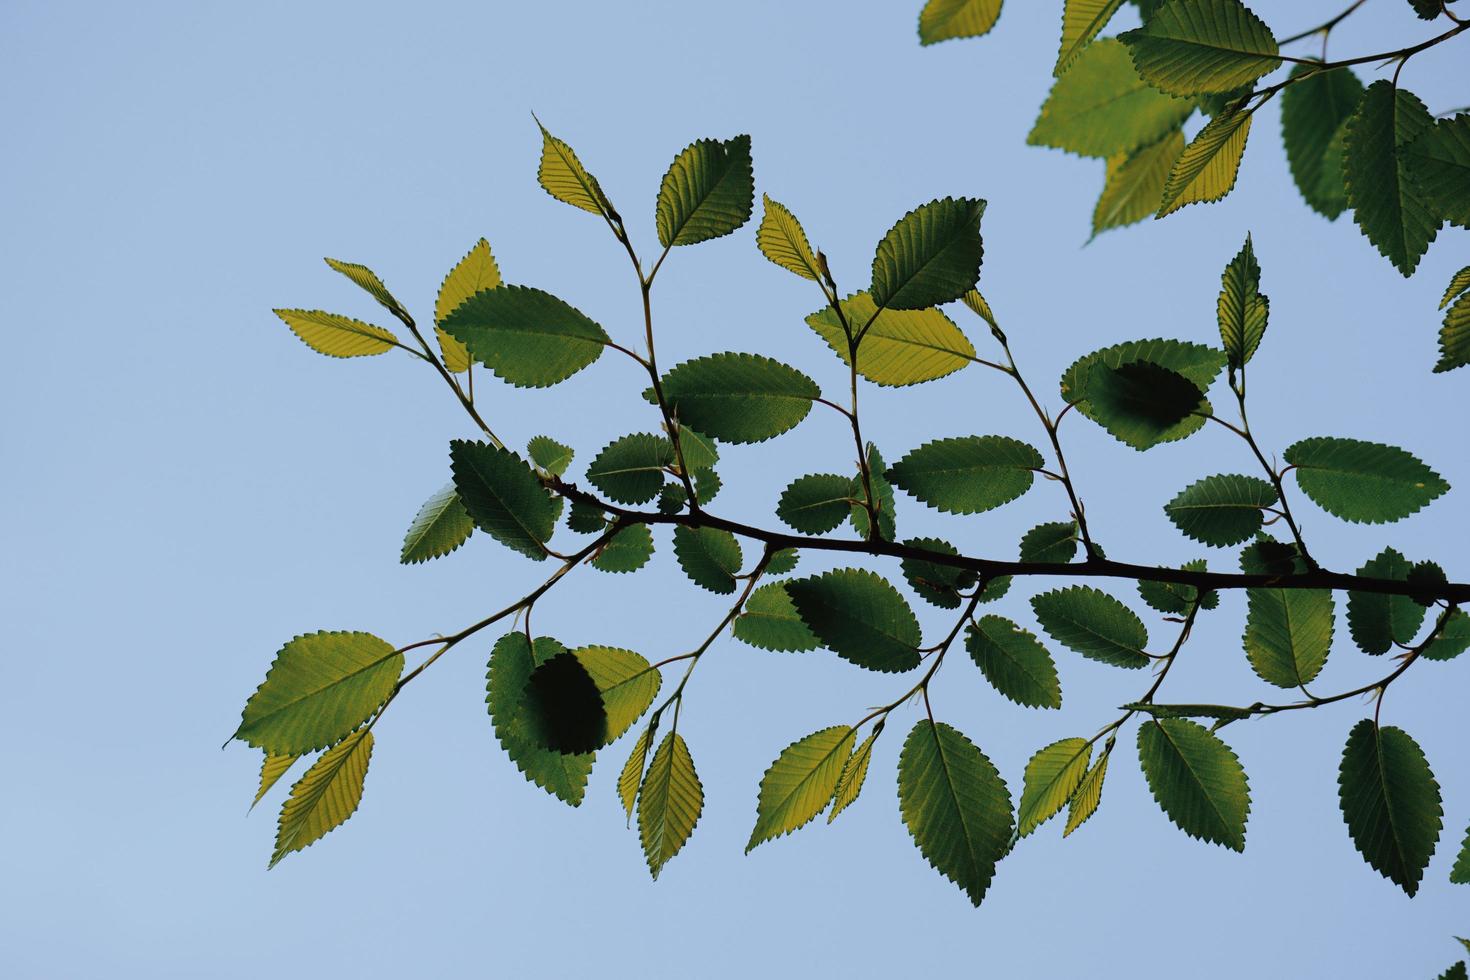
554, 708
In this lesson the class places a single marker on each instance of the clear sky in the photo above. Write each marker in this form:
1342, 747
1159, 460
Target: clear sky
187, 487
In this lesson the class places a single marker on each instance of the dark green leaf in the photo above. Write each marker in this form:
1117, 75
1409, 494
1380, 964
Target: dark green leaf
1288, 634
1265, 556
1174, 598
1053, 542
955, 805
859, 616
1387, 204
627, 551
562, 708
503, 496
1196, 779
1015, 662
550, 455
1454, 336
1094, 624
709, 556
815, 504
1390, 801
630, 470
1193, 47
739, 397
525, 336
1222, 712
967, 475
1140, 403
1313, 111
783, 561
1452, 639
931, 256
626, 683
936, 583
511, 663
585, 519
1460, 873
708, 192
1221, 510
1198, 363
882, 494
1363, 481
1439, 163
1379, 621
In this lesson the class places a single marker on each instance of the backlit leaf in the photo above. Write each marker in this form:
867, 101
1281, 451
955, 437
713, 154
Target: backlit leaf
630, 470
669, 802
800, 783
1206, 170
1312, 112
632, 774
1454, 336
955, 805
1198, 47
525, 336
710, 556
1390, 801
440, 526
1288, 634
934, 582
550, 455
511, 662
1459, 283
854, 774
860, 617
1196, 779
815, 504
1363, 481
1135, 183
1100, 107
708, 192
1085, 800
1081, 22
1387, 205
945, 20
367, 280
476, 271
1141, 403
781, 239
1052, 776
272, 768
323, 799
1221, 510
626, 682
628, 550
1242, 308
1015, 662
1197, 362
770, 621
562, 176
931, 256
739, 397
337, 336
319, 688
1439, 162
1094, 624
901, 347
967, 475
1379, 621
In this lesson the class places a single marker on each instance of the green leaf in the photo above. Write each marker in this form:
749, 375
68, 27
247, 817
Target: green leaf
1313, 110
936, 583
882, 495
901, 347
967, 475
367, 280
709, 556
1266, 556
1081, 22
503, 496
1363, 481
512, 661
1221, 510
627, 551
981, 308
700, 451
1390, 801
632, 773
1135, 183
1439, 163
1459, 874
272, 768
800, 783
1051, 542
1456, 972
1196, 362
1452, 639
323, 799
1052, 776
706, 485
626, 682
860, 617
337, 336
1173, 598
440, 526
931, 256
955, 805
1094, 624
1379, 621
1088, 795
1454, 336
1100, 107
1141, 403
770, 621
708, 192
550, 455
319, 688
1199, 47
1387, 204
854, 774
815, 504
945, 20
586, 519
562, 176
562, 708
1288, 634
630, 470
1196, 779
739, 397
1242, 309
1206, 170
476, 271
1459, 283
781, 239
1014, 662
669, 802
783, 561
525, 336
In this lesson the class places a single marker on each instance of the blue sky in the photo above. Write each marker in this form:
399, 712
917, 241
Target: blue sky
189, 487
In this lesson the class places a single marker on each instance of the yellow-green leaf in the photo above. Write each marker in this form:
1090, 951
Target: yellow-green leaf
1088, 795
1135, 183
945, 20
800, 783
272, 768
325, 796
854, 772
1100, 107
335, 335
627, 682
781, 239
476, 271
1206, 170
562, 176
1081, 21
632, 774
669, 802
369, 282
1052, 777
901, 347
